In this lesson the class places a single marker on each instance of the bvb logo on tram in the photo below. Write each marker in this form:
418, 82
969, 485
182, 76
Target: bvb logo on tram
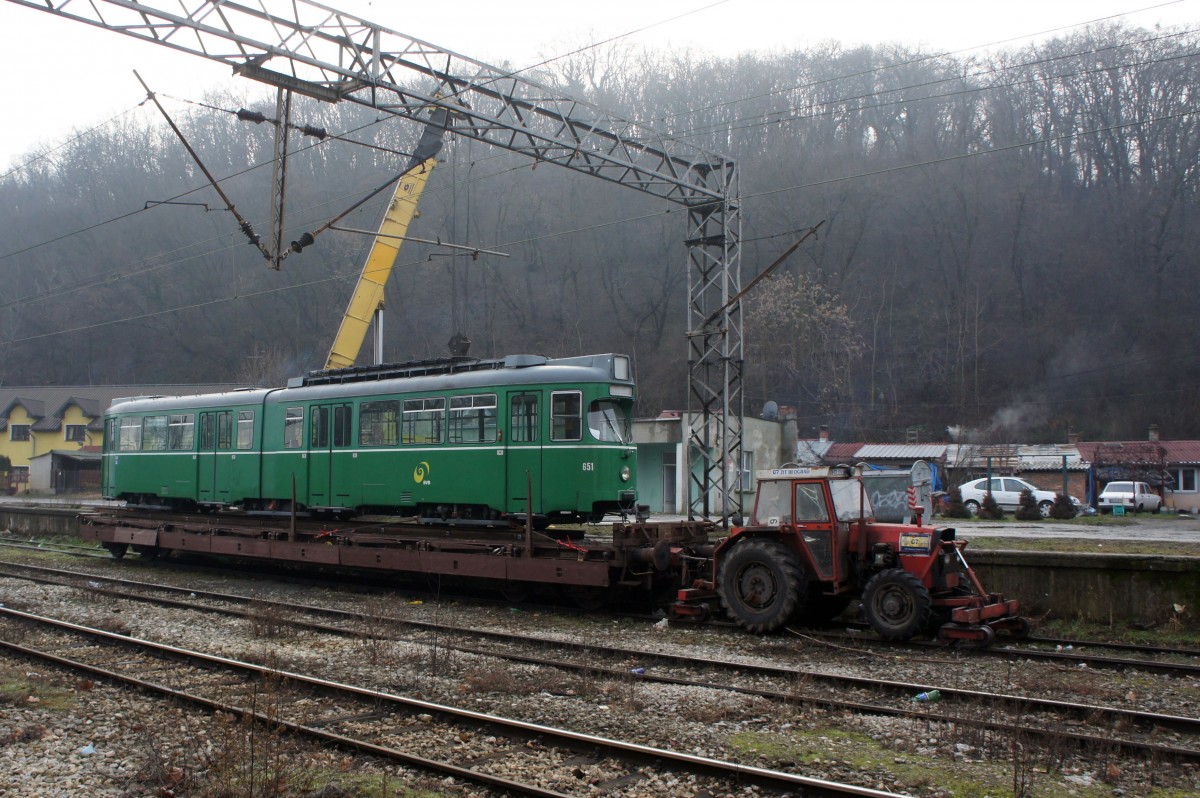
420, 472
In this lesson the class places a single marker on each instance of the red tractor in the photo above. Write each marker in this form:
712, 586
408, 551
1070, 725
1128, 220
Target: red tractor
812, 546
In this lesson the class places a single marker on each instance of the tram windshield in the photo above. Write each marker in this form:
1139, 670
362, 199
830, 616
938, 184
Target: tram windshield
608, 420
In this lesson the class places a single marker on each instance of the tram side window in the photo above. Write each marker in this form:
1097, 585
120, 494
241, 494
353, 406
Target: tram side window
423, 420
112, 434
154, 433
245, 429
293, 428
181, 431
319, 439
524, 418
208, 432
473, 419
225, 430
566, 410
131, 434
379, 423
342, 428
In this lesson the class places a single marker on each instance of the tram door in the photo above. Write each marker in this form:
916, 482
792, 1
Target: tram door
330, 439
213, 465
524, 452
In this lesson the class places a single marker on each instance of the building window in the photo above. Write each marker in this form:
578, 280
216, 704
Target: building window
1185, 479
746, 474
18, 432
76, 433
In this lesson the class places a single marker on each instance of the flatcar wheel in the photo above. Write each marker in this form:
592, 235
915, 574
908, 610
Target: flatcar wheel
516, 592
896, 604
587, 598
146, 552
117, 550
761, 584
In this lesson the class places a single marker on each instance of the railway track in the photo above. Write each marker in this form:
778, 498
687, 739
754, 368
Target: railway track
392, 726
1067, 651
1050, 721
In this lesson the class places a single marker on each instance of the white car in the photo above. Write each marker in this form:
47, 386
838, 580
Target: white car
1135, 497
1007, 493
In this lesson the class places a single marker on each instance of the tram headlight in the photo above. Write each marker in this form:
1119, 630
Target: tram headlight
625, 472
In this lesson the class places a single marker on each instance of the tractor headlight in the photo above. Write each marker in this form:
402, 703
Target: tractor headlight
625, 472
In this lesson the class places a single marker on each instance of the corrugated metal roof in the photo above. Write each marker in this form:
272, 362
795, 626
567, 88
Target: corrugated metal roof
901, 451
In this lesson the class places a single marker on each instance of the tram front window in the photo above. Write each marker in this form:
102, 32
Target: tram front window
608, 421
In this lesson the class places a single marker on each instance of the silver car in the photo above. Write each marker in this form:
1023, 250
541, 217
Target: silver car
1134, 497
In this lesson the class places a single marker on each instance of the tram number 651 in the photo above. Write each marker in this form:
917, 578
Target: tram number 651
589, 466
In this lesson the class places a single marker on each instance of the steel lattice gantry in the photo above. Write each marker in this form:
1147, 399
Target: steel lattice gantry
333, 56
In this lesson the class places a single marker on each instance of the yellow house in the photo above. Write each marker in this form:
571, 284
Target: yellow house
35, 421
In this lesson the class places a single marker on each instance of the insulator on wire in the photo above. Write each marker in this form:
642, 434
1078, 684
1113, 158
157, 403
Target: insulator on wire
303, 242
250, 234
316, 132
246, 115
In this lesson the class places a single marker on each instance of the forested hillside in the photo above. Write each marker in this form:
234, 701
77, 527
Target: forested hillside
1010, 240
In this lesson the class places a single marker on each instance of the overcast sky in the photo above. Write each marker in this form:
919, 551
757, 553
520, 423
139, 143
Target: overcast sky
62, 75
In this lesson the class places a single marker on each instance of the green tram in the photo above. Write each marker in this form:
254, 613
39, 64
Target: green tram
456, 440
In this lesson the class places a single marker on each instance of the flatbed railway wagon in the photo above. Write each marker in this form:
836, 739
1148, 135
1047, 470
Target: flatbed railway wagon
455, 440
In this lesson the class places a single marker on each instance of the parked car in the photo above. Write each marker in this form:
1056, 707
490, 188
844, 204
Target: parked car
1135, 497
1007, 493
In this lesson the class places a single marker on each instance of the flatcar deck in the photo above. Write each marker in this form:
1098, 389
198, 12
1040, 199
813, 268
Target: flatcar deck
635, 555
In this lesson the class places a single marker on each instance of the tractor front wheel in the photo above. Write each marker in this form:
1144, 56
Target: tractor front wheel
896, 604
761, 584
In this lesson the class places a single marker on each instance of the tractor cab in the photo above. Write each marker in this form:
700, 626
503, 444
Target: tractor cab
819, 506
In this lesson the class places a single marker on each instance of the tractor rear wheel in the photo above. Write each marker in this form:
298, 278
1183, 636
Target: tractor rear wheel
761, 584
896, 604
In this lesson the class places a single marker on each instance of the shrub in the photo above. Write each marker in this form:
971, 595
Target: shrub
990, 509
954, 505
1028, 509
1063, 507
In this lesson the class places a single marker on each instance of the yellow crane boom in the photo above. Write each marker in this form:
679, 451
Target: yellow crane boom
368, 292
